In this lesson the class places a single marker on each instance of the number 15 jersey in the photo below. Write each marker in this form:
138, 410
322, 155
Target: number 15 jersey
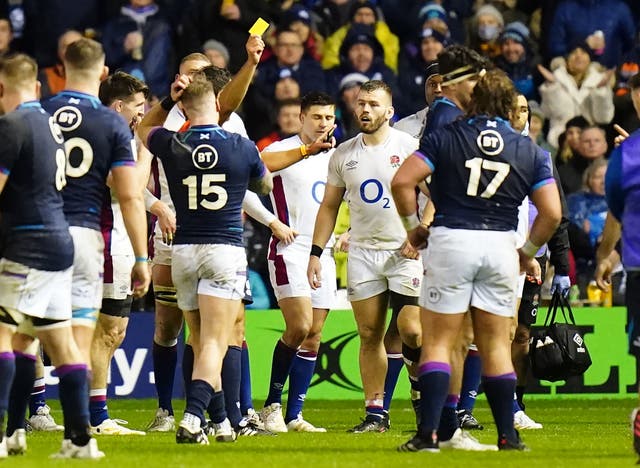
96, 139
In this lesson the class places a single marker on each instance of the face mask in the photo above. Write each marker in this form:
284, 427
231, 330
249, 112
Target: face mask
488, 32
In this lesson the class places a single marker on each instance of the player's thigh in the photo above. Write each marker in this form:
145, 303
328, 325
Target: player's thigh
451, 265
365, 273
371, 317
288, 271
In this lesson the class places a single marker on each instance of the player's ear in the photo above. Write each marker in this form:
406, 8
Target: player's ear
105, 73
38, 89
390, 112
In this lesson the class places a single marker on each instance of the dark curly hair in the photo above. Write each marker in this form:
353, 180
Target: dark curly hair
494, 96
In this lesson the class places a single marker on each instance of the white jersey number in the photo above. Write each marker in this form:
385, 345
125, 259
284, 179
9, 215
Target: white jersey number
476, 165
78, 144
206, 188
61, 162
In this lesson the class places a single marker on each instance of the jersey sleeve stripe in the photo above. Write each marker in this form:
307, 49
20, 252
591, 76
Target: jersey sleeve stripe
425, 159
123, 163
537, 185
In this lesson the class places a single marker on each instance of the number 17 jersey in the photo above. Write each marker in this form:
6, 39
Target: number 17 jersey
96, 140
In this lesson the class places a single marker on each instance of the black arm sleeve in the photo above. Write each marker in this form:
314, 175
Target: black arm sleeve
559, 242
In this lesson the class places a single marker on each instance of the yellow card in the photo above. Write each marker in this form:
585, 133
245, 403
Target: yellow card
259, 27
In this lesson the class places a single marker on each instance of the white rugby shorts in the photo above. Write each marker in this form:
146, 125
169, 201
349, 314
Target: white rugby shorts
88, 268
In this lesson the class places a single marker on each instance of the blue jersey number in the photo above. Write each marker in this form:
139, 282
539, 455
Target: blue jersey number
206, 188
373, 195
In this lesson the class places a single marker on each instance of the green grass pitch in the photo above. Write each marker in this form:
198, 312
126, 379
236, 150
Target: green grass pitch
577, 433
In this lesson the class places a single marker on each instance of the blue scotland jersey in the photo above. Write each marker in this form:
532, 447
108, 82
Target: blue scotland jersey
208, 170
31, 207
96, 140
442, 112
482, 170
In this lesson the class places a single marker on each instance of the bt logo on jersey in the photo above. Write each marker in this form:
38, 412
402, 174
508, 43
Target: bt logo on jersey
204, 157
68, 118
490, 142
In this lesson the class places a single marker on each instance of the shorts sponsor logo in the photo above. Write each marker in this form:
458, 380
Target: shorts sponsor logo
434, 295
394, 161
415, 282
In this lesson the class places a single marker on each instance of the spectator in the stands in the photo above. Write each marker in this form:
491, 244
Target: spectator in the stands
361, 53
593, 146
569, 140
486, 26
299, 19
140, 42
333, 15
519, 60
605, 25
216, 52
587, 213
6, 36
415, 60
536, 126
576, 87
52, 78
287, 120
347, 125
363, 13
227, 22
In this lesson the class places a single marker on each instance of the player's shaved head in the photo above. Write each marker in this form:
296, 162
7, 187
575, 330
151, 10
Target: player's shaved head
494, 96
18, 71
84, 56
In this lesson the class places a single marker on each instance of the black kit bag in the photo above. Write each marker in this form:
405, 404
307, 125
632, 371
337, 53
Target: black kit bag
557, 350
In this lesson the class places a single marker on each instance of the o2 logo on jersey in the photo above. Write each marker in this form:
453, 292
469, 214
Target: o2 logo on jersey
317, 190
490, 142
68, 118
204, 157
371, 191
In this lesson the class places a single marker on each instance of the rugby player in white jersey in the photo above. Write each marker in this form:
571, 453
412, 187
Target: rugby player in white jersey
298, 190
126, 95
381, 266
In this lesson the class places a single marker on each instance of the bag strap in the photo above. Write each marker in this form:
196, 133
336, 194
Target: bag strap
551, 311
563, 302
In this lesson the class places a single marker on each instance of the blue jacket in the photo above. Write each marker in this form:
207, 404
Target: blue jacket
157, 50
574, 20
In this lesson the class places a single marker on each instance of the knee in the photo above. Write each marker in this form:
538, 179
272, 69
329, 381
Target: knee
313, 339
369, 336
113, 336
411, 333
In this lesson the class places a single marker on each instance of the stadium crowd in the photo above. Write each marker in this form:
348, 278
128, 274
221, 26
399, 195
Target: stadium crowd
259, 153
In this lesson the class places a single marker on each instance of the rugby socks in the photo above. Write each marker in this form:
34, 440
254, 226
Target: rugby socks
470, 381
7, 372
516, 405
231, 385
246, 401
217, 412
98, 406
199, 395
520, 395
280, 367
302, 369
25, 374
74, 399
374, 408
499, 390
165, 360
37, 399
434, 383
187, 366
449, 418
394, 366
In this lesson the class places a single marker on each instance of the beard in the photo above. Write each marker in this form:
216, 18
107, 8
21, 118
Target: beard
372, 125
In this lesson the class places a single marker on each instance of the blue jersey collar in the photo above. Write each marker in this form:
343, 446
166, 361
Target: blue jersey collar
28, 104
80, 95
